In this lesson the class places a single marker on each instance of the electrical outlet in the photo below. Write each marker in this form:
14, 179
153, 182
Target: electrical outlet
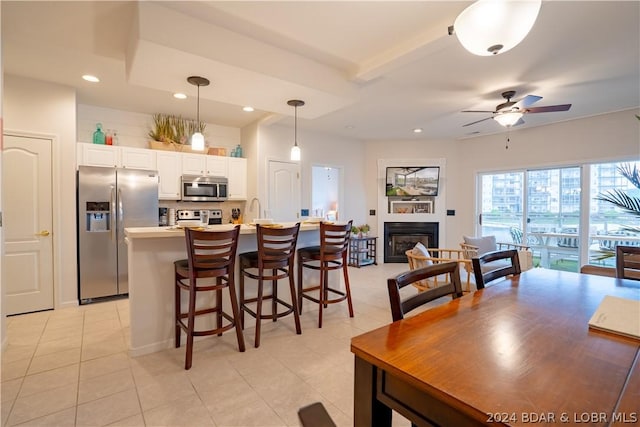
451, 212
304, 212
372, 212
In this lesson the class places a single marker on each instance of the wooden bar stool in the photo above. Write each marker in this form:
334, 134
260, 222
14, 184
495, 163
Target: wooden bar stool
212, 256
330, 255
272, 261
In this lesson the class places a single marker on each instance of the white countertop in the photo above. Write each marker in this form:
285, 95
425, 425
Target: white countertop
173, 231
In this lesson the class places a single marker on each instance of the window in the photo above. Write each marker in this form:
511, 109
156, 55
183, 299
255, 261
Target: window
544, 208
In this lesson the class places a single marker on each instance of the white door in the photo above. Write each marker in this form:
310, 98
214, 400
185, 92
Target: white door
27, 224
284, 190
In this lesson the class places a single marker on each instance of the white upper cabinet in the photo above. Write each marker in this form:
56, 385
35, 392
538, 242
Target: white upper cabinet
116, 157
170, 165
194, 164
137, 158
217, 166
198, 164
237, 178
170, 170
98, 155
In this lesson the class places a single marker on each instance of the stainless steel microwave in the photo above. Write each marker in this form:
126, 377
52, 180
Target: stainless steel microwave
197, 188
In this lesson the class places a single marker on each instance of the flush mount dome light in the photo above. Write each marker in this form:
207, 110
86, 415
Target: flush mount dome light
490, 27
508, 119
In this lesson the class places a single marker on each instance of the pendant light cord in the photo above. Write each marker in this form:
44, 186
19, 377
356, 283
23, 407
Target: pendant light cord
198, 110
295, 126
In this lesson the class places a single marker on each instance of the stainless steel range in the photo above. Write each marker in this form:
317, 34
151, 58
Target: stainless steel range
205, 216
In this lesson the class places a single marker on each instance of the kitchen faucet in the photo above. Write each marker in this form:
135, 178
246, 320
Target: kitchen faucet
255, 199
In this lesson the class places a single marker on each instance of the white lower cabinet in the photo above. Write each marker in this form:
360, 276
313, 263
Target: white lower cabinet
237, 178
169, 166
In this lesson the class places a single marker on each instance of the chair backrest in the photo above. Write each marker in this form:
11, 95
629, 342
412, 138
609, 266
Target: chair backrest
212, 253
334, 241
498, 259
516, 235
628, 262
276, 246
399, 306
598, 270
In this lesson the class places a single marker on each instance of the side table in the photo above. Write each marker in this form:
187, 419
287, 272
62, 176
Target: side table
362, 251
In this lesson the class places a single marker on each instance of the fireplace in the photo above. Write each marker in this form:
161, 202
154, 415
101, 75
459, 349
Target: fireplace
401, 236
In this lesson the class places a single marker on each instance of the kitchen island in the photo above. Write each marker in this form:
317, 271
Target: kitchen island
151, 254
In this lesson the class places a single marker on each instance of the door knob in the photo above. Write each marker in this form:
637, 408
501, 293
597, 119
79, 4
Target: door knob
43, 233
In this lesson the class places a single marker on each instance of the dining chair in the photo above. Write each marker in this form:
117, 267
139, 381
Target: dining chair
271, 262
628, 262
598, 270
506, 263
209, 267
331, 255
400, 306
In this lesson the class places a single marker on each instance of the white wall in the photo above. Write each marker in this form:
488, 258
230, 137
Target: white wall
47, 109
275, 142
610, 137
133, 128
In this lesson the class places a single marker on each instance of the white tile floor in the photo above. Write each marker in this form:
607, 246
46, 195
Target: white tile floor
70, 367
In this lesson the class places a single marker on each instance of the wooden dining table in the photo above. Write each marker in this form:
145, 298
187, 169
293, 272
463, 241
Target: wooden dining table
517, 352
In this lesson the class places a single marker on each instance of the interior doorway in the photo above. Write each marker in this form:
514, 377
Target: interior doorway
326, 193
28, 224
284, 191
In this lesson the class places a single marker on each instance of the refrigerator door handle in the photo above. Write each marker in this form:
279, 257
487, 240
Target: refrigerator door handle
120, 215
112, 213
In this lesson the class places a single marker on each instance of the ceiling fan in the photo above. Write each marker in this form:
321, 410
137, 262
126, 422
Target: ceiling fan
510, 113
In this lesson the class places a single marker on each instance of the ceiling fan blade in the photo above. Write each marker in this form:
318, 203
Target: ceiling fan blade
477, 111
549, 108
477, 121
526, 101
519, 122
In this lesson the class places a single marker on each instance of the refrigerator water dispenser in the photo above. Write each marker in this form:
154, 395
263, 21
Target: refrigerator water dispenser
98, 216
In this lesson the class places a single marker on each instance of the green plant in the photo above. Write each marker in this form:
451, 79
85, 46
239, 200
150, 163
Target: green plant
622, 199
169, 129
354, 229
364, 228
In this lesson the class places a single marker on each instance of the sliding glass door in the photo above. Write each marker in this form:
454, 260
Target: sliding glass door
502, 206
553, 217
560, 213
539, 208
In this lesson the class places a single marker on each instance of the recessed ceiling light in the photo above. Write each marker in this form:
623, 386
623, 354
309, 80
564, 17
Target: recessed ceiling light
247, 109
180, 95
349, 127
417, 130
90, 78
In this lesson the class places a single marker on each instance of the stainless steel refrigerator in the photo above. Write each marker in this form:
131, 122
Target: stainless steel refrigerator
108, 201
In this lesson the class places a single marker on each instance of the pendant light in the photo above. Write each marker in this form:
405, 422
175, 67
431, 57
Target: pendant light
295, 150
490, 27
197, 139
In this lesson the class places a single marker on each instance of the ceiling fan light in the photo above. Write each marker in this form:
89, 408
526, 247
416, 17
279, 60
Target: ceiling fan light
508, 119
197, 141
490, 27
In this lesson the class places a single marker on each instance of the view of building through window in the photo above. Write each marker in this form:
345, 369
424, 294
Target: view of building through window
543, 208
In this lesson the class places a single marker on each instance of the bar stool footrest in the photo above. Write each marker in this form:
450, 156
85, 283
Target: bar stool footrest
208, 332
